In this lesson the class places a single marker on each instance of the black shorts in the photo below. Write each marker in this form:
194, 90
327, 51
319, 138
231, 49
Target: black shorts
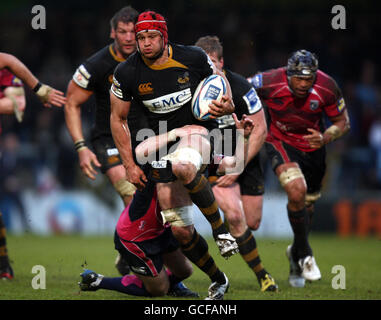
251, 180
312, 163
145, 257
106, 152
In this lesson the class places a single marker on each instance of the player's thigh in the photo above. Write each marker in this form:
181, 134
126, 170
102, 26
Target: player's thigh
229, 200
172, 195
179, 265
116, 173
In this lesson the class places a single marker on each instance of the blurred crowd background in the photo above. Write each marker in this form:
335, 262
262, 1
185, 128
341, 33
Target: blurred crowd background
256, 35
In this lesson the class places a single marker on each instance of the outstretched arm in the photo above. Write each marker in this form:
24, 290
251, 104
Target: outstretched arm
48, 96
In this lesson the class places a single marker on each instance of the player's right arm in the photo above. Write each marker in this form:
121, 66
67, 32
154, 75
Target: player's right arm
122, 138
76, 97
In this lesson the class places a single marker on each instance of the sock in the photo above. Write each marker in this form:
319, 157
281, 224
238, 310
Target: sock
196, 251
299, 221
202, 196
249, 252
129, 284
4, 261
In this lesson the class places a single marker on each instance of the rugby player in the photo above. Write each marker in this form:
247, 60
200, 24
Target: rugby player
94, 77
297, 98
240, 195
12, 101
146, 243
162, 77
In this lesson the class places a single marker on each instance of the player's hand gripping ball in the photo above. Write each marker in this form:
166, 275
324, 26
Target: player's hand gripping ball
211, 88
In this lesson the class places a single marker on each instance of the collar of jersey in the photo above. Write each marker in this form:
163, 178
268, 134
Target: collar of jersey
170, 63
112, 52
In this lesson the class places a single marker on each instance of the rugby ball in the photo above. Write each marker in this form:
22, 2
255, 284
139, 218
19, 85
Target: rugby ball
211, 88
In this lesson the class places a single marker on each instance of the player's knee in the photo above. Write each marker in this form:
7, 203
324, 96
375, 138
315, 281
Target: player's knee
254, 224
183, 234
235, 218
184, 171
159, 289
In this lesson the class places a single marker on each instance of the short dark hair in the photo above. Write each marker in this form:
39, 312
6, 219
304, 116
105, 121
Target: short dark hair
125, 15
210, 44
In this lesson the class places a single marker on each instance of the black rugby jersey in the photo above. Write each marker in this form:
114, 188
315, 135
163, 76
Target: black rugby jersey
246, 101
96, 74
165, 91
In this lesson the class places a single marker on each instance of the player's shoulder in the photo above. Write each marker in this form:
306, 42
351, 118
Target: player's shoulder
269, 77
102, 59
237, 81
130, 64
8, 79
187, 53
325, 81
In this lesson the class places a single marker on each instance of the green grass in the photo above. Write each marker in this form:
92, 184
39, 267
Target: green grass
62, 257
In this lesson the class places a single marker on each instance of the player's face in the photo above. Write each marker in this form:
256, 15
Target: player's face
301, 85
124, 36
150, 44
218, 62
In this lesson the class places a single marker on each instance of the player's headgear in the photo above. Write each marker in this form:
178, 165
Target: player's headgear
152, 21
302, 63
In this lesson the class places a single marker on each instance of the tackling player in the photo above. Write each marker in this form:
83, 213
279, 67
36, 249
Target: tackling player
297, 97
146, 244
162, 77
240, 195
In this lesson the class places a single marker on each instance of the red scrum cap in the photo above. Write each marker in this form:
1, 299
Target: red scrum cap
152, 21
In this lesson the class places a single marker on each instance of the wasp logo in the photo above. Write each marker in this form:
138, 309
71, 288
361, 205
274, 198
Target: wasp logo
145, 88
184, 79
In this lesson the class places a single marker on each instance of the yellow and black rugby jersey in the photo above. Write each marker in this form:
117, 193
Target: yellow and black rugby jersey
95, 74
165, 91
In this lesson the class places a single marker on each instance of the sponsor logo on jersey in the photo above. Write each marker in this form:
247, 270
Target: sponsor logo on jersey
314, 104
80, 79
145, 88
169, 102
257, 81
225, 121
16, 81
183, 79
252, 101
340, 104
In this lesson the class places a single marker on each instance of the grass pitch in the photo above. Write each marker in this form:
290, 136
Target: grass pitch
63, 257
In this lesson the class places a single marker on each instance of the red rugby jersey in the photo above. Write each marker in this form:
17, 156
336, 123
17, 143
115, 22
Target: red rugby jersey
290, 115
8, 79
141, 220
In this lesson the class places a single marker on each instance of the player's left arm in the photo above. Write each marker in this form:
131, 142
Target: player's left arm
340, 125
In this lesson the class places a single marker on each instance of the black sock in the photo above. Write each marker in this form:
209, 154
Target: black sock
299, 221
202, 196
196, 251
249, 252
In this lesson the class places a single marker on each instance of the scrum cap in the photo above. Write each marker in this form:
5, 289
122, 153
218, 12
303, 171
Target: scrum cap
302, 63
152, 21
